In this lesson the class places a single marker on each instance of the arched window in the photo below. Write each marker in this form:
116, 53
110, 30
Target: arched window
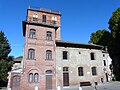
48, 54
94, 71
65, 69
30, 79
48, 72
32, 33
80, 71
36, 77
31, 54
49, 35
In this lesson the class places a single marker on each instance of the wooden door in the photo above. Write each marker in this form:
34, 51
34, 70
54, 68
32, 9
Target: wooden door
65, 79
48, 82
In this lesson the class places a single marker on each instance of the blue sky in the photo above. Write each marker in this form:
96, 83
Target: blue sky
79, 18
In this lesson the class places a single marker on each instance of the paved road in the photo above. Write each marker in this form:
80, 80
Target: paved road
103, 86
109, 86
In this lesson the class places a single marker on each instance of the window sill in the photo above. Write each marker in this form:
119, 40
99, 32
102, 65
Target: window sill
48, 59
31, 59
81, 76
66, 86
33, 82
48, 40
32, 38
65, 59
94, 75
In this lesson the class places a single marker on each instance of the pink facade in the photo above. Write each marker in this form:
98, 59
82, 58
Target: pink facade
40, 31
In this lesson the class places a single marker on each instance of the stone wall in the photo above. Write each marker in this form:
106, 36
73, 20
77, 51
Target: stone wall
78, 57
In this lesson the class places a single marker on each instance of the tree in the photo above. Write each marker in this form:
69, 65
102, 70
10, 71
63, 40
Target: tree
6, 61
111, 40
114, 26
100, 37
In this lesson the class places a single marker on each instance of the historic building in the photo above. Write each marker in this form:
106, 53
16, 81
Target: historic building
49, 62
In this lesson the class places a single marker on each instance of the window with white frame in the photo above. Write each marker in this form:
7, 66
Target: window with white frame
54, 19
35, 17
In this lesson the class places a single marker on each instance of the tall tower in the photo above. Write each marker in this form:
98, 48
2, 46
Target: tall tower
40, 29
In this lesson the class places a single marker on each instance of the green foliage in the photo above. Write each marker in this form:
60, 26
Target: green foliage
114, 22
6, 61
111, 40
100, 37
114, 26
4, 46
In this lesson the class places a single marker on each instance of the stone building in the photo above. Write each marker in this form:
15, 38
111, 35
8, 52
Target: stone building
50, 62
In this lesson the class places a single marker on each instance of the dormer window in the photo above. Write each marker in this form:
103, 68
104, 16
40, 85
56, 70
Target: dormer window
35, 17
54, 19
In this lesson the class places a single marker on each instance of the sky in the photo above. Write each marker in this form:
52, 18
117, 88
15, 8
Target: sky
79, 18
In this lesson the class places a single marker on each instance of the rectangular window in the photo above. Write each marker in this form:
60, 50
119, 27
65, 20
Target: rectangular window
31, 54
80, 71
35, 17
104, 62
48, 55
54, 19
49, 35
32, 33
65, 55
103, 55
94, 72
44, 18
92, 56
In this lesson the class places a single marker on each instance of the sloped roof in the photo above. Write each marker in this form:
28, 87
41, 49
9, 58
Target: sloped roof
61, 43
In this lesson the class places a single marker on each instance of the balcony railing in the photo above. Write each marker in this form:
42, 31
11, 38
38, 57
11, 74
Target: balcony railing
47, 22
